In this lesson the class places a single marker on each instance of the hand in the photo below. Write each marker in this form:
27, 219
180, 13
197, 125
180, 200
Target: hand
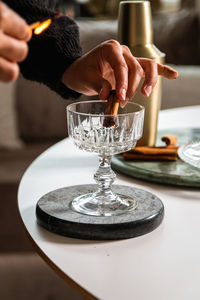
14, 33
112, 66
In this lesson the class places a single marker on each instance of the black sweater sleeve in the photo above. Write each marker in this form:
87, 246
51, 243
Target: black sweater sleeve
54, 50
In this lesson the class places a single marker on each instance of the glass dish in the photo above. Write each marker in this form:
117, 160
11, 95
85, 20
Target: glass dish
190, 154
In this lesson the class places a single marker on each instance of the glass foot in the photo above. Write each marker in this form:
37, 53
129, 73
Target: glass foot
91, 204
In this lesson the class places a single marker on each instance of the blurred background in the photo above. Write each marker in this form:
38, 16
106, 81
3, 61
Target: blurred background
32, 118
105, 8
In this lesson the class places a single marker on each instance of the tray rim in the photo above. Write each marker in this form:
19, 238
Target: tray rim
156, 177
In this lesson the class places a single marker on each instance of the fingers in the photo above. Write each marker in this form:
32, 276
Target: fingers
12, 49
112, 66
162, 70
112, 52
9, 71
128, 71
105, 90
13, 33
151, 75
135, 73
12, 24
167, 72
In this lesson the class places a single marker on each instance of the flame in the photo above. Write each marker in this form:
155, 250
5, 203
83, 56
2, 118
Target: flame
42, 26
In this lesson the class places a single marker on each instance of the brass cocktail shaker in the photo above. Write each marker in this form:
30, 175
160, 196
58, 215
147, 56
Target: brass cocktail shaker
135, 31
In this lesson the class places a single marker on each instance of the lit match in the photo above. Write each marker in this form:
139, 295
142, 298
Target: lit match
39, 27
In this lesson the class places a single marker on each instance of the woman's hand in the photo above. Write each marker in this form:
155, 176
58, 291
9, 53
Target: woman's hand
14, 33
112, 66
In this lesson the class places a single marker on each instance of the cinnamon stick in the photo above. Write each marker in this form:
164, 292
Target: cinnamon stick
173, 150
112, 104
135, 156
111, 109
166, 153
169, 140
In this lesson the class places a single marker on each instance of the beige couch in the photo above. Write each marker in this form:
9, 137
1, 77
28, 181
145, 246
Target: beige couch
31, 118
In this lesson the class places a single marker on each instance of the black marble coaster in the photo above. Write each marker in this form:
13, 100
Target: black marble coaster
54, 213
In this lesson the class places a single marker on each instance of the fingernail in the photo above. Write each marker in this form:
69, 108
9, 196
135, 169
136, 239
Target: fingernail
123, 94
123, 103
28, 35
175, 75
148, 90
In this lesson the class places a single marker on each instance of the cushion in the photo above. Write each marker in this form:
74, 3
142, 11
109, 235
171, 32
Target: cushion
177, 35
41, 112
8, 126
94, 32
183, 91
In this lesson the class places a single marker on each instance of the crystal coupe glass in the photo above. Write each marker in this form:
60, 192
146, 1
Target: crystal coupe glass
86, 125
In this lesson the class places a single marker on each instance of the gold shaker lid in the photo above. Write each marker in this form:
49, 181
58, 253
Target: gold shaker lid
135, 23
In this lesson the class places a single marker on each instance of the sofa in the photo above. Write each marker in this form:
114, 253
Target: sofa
32, 118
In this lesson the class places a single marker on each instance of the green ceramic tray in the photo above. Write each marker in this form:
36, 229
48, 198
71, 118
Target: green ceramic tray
176, 173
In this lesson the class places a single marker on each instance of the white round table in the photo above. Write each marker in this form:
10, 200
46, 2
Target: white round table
161, 265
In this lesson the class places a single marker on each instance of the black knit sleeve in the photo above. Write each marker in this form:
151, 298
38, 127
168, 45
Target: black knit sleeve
54, 50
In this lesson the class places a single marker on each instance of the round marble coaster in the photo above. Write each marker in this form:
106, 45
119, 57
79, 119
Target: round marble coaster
54, 213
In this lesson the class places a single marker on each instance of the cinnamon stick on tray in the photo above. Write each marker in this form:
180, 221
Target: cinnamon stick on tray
166, 153
111, 109
144, 157
170, 140
172, 150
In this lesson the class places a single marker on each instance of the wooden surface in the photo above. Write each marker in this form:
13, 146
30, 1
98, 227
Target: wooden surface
161, 265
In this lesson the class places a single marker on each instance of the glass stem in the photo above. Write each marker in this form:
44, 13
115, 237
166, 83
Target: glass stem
104, 176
